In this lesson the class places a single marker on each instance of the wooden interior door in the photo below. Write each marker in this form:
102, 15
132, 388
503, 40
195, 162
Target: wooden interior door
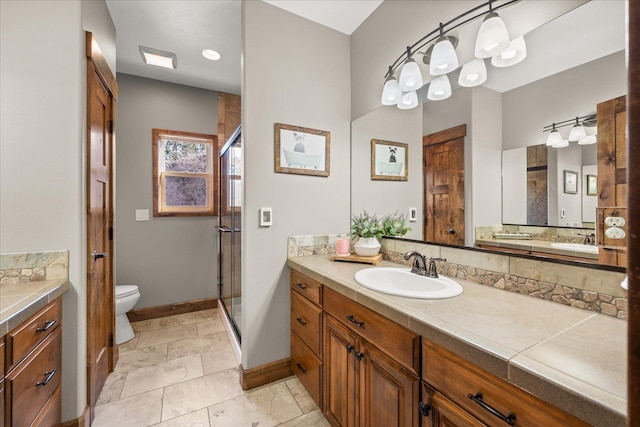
443, 174
100, 291
612, 172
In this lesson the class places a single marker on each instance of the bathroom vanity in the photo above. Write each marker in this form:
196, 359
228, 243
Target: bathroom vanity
486, 357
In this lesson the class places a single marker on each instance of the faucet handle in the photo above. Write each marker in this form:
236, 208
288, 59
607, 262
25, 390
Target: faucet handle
432, 270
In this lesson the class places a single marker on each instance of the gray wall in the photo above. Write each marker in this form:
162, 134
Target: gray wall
42, 117
295, 72
170, 259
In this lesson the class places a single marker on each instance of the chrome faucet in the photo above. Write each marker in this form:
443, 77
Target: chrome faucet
589, 238
419, 265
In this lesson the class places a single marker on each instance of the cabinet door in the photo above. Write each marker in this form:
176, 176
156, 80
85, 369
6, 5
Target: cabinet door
389, 394
339, 374
445, 413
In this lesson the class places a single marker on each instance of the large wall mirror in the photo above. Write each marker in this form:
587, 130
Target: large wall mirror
575, 61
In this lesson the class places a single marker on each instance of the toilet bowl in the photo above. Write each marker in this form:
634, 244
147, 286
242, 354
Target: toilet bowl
126, 297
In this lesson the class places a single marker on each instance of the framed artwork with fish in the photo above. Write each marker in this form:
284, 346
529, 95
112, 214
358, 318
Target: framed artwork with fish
389, 160
301, 150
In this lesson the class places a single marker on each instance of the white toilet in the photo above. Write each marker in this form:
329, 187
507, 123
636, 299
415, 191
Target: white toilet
126, 297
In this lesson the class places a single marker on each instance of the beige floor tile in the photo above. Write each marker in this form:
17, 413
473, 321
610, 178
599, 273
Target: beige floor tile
266, 407
161, 375
209, 327
193, 419
312, 419
136, 411
147, 338
128, 346
198, 393
151, 324
197, 345
303, 398
112, 388
194, 317
145, 356
218, 360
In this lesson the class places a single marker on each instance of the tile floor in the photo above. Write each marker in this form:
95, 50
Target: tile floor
180, 371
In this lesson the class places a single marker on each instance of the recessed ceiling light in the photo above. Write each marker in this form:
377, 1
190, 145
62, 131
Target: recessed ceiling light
210, 54
158, 58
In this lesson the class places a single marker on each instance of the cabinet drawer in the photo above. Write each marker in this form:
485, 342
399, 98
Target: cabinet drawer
395, 340
306, 321
458, 379
311, 289
51, 414
25, 337
307, 368
25, 397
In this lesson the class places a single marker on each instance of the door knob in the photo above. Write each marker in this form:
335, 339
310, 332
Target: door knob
451, 231
97, 255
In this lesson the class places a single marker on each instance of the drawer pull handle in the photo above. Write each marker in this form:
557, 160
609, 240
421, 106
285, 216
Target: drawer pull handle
47, 378
47, 325
352, 319
302, 286
299, 365
302, 322
350, 348
359, 355
509, 419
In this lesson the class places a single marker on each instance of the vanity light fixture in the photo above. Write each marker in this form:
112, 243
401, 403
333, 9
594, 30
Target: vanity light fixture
492, 40
408, 101
391, 93
159, 58
410, 75
554, 138
583, 131
211, 54
577, 132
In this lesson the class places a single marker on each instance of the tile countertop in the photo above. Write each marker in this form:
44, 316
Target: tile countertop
535, 246
572, 358
20, 301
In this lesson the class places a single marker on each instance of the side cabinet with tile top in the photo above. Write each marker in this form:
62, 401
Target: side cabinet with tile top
306, 333
33, 361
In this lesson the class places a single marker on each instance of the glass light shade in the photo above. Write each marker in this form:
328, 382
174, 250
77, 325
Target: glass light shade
577, 133
554, 138
439, 89
589, 139
409, 100
493, 37
473, 73
443, 58
391, 93
561, 144
512, 55
211, 54
410, 76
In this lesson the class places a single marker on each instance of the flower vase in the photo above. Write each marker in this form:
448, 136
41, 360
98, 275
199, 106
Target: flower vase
367, 246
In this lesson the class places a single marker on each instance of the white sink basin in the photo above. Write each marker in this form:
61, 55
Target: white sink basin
576, 247
404, 283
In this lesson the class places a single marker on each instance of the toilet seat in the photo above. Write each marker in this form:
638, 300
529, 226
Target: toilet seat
126, 290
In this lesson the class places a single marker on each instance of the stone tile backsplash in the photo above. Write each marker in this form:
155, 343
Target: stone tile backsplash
27, 267
577, 286
547, 234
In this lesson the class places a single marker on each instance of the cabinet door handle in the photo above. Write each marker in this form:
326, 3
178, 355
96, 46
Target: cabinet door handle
47, 325
301, 286
359, 355
302, 322
425, 408
353, 320
47, 378
299, 365
350, 348
509, 419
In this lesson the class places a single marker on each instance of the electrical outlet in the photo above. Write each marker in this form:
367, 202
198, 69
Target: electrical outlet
615, 233
142, 214
614, 221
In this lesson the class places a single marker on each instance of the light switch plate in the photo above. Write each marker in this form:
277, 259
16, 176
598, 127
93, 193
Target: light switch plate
413, 214
142, 214
266, 217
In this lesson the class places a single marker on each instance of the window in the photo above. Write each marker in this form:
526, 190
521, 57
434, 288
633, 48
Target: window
185, 178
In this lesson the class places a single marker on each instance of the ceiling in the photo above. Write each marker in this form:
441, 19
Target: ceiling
185, 27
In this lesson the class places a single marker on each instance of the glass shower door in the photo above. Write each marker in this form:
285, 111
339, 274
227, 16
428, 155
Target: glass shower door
229, 280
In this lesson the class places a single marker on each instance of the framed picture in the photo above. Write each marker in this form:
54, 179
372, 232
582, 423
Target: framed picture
592, 185
301, 150
389, 160
570, 182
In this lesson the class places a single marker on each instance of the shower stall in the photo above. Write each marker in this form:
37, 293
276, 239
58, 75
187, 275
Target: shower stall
229, 229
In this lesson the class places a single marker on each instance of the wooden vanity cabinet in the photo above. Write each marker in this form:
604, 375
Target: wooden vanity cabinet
368, 383
33, 358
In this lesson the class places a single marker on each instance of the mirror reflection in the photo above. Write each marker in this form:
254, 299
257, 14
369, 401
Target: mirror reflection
503, 181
